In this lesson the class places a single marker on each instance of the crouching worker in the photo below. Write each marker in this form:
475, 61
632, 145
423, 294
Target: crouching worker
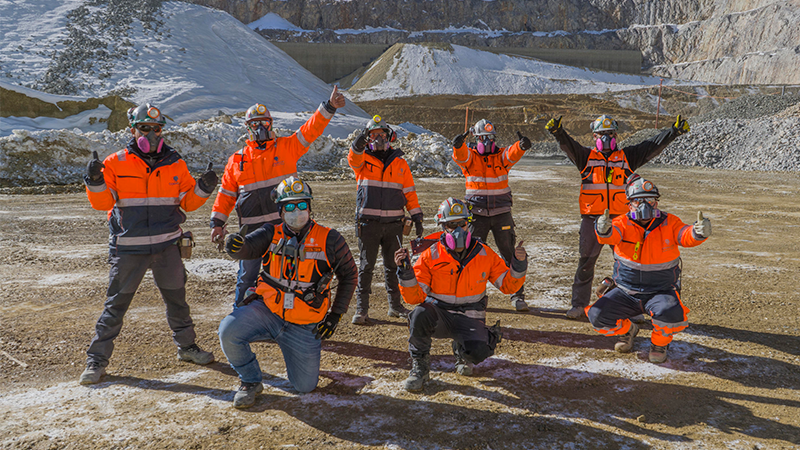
291, 304
448, 285
647, 269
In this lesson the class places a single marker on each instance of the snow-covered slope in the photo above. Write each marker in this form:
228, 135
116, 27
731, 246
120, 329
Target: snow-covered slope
192, 61
409, 69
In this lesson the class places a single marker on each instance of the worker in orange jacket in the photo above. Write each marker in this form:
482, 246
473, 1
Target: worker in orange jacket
385, 188
604, 170
647, 269
448, 285
254, 171
485, 166
144, 187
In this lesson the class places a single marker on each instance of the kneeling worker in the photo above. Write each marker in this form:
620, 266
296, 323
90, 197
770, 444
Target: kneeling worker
448, 285
647, 269
291, 304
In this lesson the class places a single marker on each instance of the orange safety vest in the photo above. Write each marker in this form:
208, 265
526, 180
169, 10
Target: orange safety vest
441, 277
603, 183
296, 275
487, 177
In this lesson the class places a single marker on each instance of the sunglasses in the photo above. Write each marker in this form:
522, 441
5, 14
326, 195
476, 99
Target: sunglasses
606, 133
289, 207
255, 123
147, 128
456, 224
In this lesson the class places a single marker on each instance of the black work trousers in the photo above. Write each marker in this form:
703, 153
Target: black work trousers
472, 340
589, 250
374, 235
502, 228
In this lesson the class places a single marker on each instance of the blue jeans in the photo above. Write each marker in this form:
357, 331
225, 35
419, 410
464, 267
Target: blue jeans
255, 322
246, 277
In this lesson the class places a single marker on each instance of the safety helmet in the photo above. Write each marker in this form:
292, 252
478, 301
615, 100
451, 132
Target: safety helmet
377, 123
453, 209
257, 112
483, 128
638, 187
604, 123
291, 188
146, 113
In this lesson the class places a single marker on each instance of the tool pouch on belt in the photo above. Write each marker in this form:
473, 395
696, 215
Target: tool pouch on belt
407, 226
249, 297
185, 244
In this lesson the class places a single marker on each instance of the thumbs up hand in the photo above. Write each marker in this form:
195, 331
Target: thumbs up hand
680, 125
524, 142
94, 170
553, 125
603, 223
235, 241
208, 181
702, 227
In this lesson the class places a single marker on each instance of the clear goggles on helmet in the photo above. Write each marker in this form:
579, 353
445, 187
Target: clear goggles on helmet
253, 124
302, 206
146, 127
453, 224
649, 200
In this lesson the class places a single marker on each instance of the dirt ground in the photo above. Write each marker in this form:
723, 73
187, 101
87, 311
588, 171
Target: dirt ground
731, 380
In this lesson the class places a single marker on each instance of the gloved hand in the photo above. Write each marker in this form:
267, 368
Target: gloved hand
235, 241
553, 125
326, 328
418, 227
603, 223
524, 142
458, 141
208, 181
94, 170
702, 227
361, 142
680, 126
218, 236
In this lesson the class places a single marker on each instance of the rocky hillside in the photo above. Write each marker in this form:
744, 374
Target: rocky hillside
717, 41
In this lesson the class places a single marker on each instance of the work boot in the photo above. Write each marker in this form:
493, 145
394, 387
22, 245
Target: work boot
398, 311
246, 395
625, 343
496, 331
420, 373
92, 373
360, 318
194, 354
575, 313
463, 367
640, 319
658, 354
519, 304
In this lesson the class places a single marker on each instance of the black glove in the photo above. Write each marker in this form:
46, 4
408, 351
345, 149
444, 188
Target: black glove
680, 126
94, 170
326, 328
524, 142
418, 227
208, 181
459, 140
553, 125
328, 107
235, 241
361, 142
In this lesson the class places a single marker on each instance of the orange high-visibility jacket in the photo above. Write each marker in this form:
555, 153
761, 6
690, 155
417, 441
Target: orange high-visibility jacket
144, 203
648, 259
487, 177
603, 183
252, 173
384, 188
459, 286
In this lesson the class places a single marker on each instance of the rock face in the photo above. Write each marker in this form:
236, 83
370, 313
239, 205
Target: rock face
717, 41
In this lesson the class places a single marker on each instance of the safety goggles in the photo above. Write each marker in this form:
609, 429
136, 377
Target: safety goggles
253, 124
452, 225
375, 134
652, 201
606, 133
145, 128
289, 207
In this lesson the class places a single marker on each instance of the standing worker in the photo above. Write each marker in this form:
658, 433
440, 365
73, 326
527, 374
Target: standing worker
292, 301
604, 170
485, 167
448, 285
253, 172
385, 187
144, 187
647, 269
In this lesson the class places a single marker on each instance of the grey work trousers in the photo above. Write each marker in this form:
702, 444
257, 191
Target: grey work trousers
502, 228
126, 273
372, 235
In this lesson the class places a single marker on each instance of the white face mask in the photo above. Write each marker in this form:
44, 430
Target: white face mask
296, 219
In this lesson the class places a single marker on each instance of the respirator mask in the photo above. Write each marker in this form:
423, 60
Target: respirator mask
150, 142
486, 145
460, 237
606, 142
645, 209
